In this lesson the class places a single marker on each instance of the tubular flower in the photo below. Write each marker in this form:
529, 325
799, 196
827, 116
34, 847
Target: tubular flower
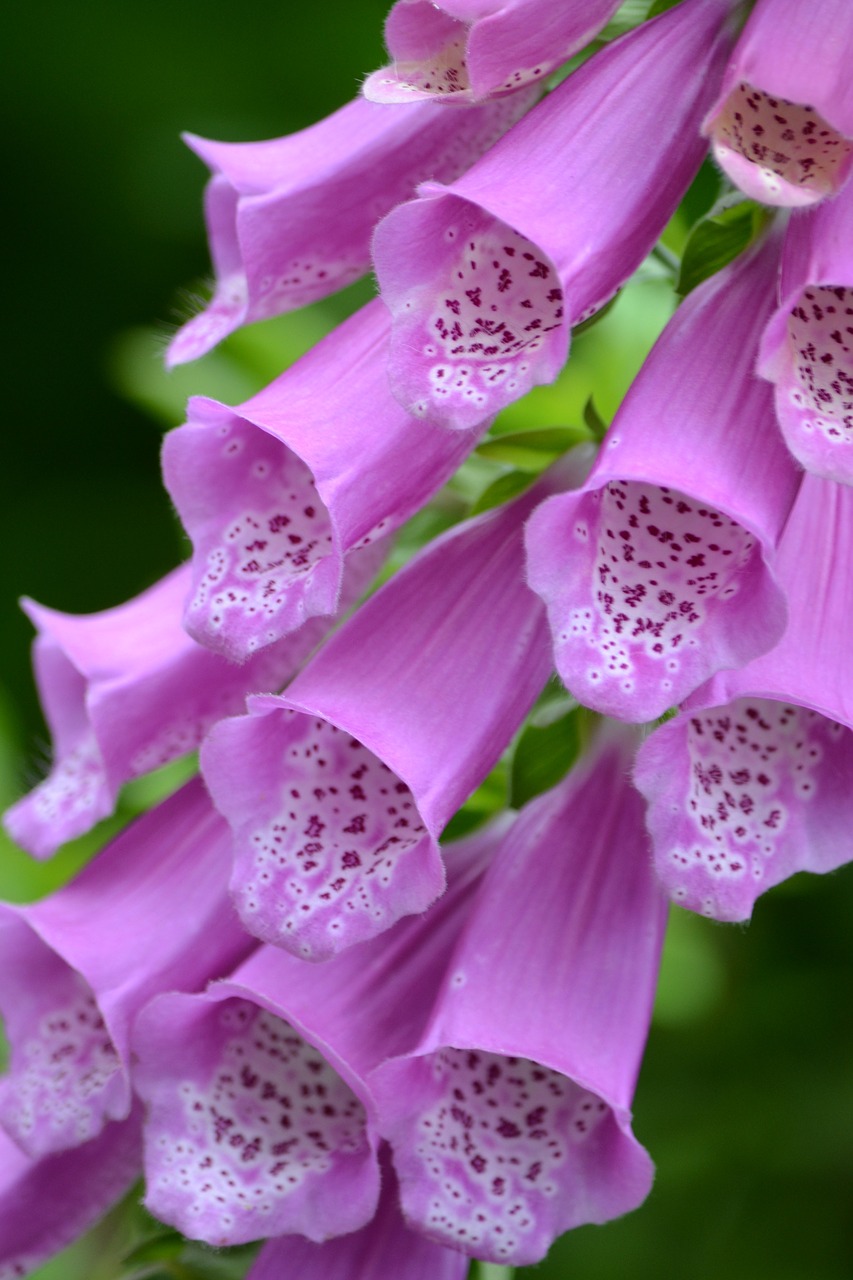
782, 126
751, 783
469, 50
336, 799
485, 278
278, 494
807, 348
290, 220
78, 966
510, 1121
658, 571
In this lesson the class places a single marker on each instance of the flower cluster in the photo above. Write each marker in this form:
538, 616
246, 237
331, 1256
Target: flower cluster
277, 994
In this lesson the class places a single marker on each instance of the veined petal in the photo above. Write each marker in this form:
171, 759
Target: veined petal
277, 493
289, 220
782, 126
485, 278
658, 572
338, 792
510, 1121
45, 1204
754, 780
127, 690
807, 348
77, 967
469, 50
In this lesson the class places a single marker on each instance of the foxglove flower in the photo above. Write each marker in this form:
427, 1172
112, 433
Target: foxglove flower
338, 792
658, 572
807, 348
754, 780
510, 1122
127, 690
46, 1203
277, 493
290, 220
260, 1118
150, 913
485, 278
468, 50
382, 1249
782, 126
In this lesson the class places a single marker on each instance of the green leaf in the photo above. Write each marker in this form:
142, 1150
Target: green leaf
661, 6
715, 241
545, 753
161, 1248
503, 489
532, 451
489, 798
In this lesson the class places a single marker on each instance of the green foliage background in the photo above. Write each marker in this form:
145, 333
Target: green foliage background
746, 1097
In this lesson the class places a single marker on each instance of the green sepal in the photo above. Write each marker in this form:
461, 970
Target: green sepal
547, 748
730, 227
504, 489
532, 451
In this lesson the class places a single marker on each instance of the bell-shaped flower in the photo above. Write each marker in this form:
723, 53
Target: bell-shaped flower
383, 1249
469, 50
46, 1204
510, 1122
276, 493
260, 1121
151, 912
289, 220
338, 791
658, 572
753, 781
485, 278
127, 690
807, 348
782, 126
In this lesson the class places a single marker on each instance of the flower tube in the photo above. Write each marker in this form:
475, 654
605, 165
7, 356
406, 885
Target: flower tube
338, 792
658, 572
127, 690
276, 493
290, 220
484, 278
510, 1121
754, 780
150, 912
782, 126
469, 50
45, 1204
807, 348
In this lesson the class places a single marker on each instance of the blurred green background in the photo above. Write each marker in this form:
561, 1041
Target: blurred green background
746, 1098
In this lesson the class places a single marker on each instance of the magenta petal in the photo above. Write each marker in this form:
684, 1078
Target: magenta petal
289, 220
463, 52
782, 126
754, 781
46, 1204
77, 967
510, 1122
277, 493
658, 572
807, 348
384, 1249
484, 278
338, 792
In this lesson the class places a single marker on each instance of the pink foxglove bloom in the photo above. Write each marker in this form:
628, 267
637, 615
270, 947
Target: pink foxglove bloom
290, 220
754, 780
385, 1249
260, 1121
658, 572
485, 278
46, 1203
510, 1122
338, 792
469, 50
782, 126
152, 912
127, 690
807, 349
277, 493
